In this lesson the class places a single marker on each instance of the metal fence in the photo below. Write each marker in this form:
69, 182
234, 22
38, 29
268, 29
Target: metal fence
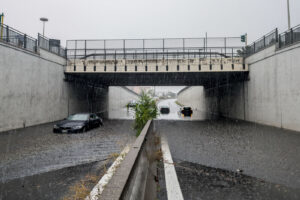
262, 43
154, 48
45, 44
289, 37
17, 38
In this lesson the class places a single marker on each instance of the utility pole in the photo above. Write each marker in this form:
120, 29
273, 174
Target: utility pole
289, 16
44, 20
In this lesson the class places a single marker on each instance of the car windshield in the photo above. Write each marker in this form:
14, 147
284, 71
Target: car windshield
78, 117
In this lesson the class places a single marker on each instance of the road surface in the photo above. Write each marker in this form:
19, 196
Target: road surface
264, 153
29, 154
175, 111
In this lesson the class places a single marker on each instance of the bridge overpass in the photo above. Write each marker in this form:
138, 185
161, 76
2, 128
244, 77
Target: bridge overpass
176, 61
34, 92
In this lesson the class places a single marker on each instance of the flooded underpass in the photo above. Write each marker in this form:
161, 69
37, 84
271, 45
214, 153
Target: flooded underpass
35, 163
213, 159
228, 159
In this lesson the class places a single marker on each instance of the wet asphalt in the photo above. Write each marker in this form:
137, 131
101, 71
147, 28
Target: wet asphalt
31, 154
262, 152
37, 164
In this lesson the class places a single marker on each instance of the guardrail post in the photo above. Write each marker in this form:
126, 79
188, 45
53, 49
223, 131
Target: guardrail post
183, 45
143, 48
292, 36
264, 41
75, 49
39, 40
204, 52
124, 49
276, 32
25, 42
225, 45
36, 45
7, 33
84, 48
163, 49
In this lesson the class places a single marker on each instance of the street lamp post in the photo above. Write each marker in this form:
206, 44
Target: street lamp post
289, 16
44, 20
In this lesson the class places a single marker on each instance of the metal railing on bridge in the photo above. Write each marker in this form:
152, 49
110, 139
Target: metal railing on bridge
17, 38
172, 48
262, 43
51, 45
289, 37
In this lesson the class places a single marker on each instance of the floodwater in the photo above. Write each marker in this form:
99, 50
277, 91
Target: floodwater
175, 111
207, 153
33, 159
128, 113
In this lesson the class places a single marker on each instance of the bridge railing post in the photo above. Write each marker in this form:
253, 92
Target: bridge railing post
163, 48
225, 46
25, 41
7, 33
183, 46
85, 48
124, 57
36, 45
143, 48
292, 35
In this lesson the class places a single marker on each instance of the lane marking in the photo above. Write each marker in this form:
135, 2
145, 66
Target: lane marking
172, 184
99, 187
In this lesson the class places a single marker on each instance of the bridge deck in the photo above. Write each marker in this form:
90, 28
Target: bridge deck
156, 66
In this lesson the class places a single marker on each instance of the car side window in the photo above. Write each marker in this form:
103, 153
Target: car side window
95, 116
92, 116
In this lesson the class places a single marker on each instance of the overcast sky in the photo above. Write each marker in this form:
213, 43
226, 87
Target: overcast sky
106, 19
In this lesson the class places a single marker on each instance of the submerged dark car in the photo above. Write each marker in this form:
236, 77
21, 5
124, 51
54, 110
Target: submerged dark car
187, 111
78, 123
164, 110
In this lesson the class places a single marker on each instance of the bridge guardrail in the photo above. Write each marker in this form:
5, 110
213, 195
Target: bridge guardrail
154, 48
17, 38
289, 37
262, 43
45, 44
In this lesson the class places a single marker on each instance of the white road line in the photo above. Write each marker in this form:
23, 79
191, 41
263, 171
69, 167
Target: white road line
98, 189
172, 184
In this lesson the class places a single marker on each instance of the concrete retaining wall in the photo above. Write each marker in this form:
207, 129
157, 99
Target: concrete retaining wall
272, 95
204, 102
135, 178
119, 97
33, 90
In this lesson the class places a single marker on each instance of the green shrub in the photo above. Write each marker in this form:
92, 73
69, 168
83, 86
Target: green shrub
145, 110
